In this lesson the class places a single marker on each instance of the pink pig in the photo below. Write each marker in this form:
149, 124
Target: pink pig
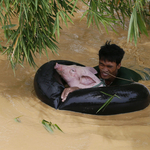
78, 76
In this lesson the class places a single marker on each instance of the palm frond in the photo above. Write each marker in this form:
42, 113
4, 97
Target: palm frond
39, 23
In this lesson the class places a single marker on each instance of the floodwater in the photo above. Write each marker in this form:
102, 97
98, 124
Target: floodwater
78, 43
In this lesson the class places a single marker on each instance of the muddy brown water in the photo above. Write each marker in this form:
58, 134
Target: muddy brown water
78, 43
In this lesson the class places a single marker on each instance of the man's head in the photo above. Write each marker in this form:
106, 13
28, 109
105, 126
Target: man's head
110, 57
111, 52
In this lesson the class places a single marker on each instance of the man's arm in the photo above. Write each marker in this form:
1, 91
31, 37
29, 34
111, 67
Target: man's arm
66, 91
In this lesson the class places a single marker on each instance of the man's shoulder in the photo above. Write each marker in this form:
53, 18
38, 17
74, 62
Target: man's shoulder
126, 76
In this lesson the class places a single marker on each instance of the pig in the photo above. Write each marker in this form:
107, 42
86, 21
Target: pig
78, 76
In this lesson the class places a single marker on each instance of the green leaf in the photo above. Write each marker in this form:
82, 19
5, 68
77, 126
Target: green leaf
141, 24
58, 127
103, 107
49, 126
106, 93
75, 3
36, 4
84, 14
8, 26
57, 24
105, 104
1, 48
17, 119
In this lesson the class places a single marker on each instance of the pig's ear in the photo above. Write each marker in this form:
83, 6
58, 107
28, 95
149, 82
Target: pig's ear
91, 69
86, 80
56, 66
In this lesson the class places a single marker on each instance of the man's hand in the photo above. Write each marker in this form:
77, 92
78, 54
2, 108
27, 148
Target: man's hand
67, 91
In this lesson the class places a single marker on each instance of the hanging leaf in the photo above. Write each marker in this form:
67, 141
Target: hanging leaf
141, 24
8, 26
39, 23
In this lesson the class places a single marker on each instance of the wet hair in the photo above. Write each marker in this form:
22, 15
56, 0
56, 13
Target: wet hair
111, 52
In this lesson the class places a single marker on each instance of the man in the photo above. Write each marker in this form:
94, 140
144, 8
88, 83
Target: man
110, 57
109, 69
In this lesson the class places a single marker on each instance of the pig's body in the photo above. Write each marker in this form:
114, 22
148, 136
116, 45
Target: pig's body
78, 76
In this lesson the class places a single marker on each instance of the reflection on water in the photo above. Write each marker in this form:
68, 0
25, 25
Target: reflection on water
81, 131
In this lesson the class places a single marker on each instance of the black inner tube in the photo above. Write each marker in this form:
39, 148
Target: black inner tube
49, 85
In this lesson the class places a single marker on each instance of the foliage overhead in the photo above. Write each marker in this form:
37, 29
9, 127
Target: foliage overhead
39, 22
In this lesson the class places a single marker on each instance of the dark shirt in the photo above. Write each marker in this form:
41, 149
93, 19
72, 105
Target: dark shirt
124, 73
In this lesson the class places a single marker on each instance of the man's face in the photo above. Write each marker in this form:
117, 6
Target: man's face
107, 67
